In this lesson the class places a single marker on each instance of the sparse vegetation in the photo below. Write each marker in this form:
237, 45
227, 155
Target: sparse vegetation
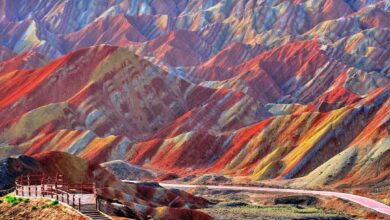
54, 203
245, 206
35, 208
16, 200
12, 200
238, 211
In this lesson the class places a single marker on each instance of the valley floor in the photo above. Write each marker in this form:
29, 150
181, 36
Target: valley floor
251, 205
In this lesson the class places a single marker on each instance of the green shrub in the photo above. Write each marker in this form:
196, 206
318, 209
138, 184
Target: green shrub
11, 199
16, 200
54, 203
33, 207
45, 206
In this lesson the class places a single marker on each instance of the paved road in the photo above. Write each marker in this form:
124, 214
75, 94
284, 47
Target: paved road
366, 202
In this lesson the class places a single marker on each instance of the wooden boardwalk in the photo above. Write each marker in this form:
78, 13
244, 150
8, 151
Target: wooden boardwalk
79, 196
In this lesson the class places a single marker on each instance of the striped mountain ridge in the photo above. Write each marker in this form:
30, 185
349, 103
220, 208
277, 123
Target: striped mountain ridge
118, 94
308, 70
5, 53
214, 24
124, 107
285, 146
292, 91
25, 60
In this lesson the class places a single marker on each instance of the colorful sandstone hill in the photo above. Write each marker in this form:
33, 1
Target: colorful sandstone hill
260, 89
144, 201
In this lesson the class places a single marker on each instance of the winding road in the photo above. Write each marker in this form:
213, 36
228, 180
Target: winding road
366, 202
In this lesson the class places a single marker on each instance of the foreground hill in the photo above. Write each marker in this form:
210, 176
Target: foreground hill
25, 210
142, 200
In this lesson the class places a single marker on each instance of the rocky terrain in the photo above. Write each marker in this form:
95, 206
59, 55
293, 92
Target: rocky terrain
141, 200
287, 93
11, 168
38, 209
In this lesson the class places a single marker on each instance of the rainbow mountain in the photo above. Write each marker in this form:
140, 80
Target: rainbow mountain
291, 91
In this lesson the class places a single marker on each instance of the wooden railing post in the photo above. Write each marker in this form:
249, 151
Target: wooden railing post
16, 186
79, 203
43, 185
55, 184
28, 184
22, 184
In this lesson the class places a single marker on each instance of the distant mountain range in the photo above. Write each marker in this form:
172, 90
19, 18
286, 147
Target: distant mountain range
265, 89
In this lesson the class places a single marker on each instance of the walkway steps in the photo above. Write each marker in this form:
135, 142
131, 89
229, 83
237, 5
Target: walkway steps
91, 212
95, 215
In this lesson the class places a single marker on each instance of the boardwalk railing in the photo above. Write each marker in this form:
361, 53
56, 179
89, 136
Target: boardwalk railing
56, 187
